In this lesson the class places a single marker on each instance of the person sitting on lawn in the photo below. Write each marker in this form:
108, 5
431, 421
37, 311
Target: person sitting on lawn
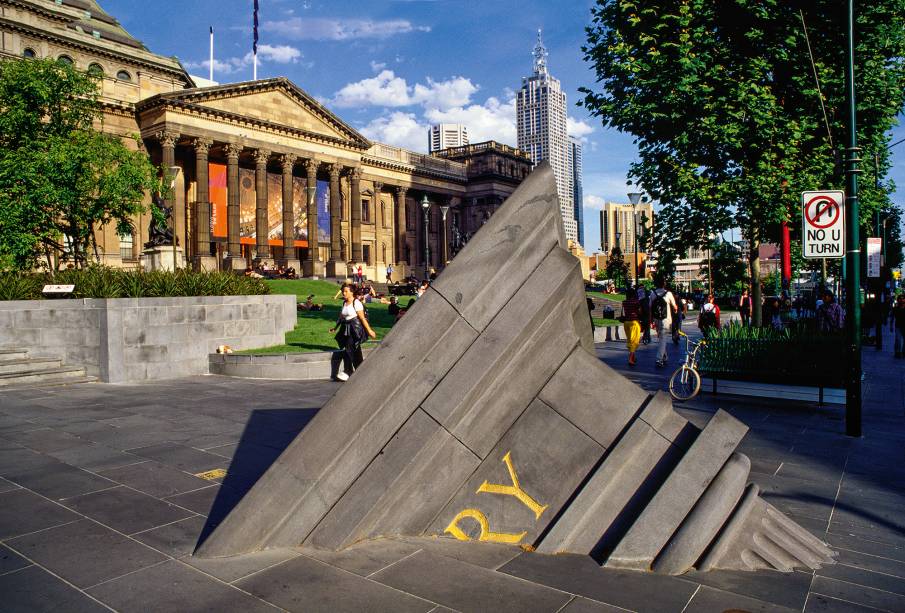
309, 305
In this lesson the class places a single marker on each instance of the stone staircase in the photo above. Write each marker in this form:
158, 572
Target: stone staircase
17, 369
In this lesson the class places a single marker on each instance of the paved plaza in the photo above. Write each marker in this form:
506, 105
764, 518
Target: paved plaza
106, 490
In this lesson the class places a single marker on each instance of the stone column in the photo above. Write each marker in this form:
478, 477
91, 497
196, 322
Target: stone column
335, 266
355, 181
288, 259
203, 259
401, 228
262, 226
167, 140
233, 246
312, 266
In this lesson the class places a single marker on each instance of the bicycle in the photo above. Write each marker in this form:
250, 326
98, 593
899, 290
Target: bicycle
685, 382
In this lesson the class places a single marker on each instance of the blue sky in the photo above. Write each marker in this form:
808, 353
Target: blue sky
392, 67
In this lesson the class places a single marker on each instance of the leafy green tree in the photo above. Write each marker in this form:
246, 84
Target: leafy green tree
617, 268
727, 270
726, 111
60, 179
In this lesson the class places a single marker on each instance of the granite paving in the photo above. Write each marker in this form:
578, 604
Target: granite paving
105, 491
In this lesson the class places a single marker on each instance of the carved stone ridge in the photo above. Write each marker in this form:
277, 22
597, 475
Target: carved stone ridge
288, 160
233, 150
167, 138
261, 157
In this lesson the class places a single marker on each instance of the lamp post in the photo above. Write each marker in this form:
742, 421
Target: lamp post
635, 198
444, 209
853, 252
426, 206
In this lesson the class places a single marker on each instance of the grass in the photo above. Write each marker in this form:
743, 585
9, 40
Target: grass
615, 297
312, 329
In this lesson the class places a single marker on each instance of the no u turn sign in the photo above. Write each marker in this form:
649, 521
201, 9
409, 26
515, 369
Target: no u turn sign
823, 224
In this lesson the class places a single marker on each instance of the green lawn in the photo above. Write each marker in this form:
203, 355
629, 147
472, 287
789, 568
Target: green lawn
312, 333
614, 297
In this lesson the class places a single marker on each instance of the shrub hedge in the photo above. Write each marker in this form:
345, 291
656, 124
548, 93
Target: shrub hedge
106, 282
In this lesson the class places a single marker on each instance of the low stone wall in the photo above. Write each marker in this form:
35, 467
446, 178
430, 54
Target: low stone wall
138, 339
295, 366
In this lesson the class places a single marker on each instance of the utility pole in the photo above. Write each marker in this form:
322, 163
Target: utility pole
853, 253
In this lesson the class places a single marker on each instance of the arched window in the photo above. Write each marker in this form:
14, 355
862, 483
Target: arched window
342, 250
96, 69
383, 217
28, 52
65, 59
123, 75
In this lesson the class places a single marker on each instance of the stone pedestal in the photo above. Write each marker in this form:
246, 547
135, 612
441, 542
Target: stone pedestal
162, 258
337, 269
236, 264
205, 263
294, 264
312, 270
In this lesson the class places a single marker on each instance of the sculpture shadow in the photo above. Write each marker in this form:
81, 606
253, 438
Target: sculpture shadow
267, 433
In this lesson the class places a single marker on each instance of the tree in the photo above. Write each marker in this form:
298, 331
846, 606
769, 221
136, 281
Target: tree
727, 270
60, 179
617, 268
727, 114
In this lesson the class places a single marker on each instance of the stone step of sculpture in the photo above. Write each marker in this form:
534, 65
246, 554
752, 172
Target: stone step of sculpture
485, 416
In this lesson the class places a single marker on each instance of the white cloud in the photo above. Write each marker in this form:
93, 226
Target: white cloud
578, 128
398, 129
279, 54
593, 202
493, 120
336, 29
378, 66
386, 89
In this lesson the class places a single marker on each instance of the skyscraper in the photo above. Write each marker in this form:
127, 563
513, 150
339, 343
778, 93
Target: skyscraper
577, 193
445, 135
541, 121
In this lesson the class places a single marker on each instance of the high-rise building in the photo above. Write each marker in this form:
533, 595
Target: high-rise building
619, 227
541, 122
446, 135
577, 192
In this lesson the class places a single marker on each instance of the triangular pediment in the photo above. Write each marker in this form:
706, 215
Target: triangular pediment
276, 102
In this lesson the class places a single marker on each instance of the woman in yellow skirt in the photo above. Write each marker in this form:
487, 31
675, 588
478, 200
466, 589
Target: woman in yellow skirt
631, 321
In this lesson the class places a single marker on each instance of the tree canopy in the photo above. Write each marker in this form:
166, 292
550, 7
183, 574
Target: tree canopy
727, 113
60, 179
617, 268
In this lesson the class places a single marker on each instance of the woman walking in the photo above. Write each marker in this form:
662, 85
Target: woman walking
631, 316
351, 327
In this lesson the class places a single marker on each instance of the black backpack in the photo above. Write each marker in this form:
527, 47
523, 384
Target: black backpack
659, 308
708, 318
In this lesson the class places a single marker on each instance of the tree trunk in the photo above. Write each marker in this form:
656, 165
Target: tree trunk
756, 298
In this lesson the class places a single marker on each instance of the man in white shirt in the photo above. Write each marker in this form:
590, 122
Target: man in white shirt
662, 308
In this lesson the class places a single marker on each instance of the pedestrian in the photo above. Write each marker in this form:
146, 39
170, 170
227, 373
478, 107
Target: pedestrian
745, 308
644, 299
898, 319
389, 273
830, 316
422, 288
631, 316
709, 317
590, 302
351, 327
360, 274
662, 308
678, 319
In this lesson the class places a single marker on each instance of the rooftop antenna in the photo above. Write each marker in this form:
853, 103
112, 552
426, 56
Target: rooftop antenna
540, 56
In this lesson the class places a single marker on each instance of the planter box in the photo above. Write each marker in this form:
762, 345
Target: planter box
123, 340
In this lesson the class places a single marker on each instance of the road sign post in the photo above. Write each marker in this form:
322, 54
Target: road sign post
823, 224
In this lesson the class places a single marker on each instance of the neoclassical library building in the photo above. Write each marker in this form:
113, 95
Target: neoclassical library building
260, 170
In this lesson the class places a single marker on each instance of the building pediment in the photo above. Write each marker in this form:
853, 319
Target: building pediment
273, 103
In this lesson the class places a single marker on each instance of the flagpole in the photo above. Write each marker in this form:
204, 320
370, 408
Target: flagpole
211, 71
254, 47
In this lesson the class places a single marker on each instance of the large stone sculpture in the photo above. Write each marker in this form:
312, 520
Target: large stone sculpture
484, 415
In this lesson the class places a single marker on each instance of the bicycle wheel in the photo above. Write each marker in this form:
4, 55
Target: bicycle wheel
684, 383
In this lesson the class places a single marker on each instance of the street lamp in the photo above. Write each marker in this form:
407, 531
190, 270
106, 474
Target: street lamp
635, 198
426, 205
444, 209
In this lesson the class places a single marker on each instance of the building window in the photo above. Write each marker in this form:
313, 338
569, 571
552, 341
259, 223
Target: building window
29, 53
125, 247
65, 59
383, 252
96, 70
383, 216
366, 211
123, 75
366, 253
